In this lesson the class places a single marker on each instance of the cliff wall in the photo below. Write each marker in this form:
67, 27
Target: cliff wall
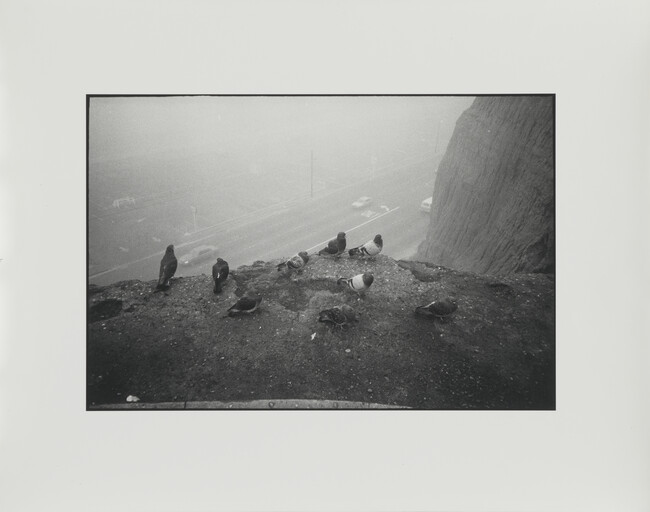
493, 199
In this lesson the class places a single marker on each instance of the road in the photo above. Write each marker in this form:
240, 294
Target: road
306, 224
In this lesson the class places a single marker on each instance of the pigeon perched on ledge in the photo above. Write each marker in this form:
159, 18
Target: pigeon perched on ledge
359, 283
296, 262
168, 266
220, 272
438, 308
246, 305
370, 248
335, 246
340, 316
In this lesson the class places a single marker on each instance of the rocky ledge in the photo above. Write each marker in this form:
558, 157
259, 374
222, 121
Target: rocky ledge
497, 351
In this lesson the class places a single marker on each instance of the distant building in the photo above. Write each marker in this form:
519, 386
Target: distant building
124, 201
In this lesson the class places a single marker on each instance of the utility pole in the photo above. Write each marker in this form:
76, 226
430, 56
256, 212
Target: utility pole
312, 173
194, 215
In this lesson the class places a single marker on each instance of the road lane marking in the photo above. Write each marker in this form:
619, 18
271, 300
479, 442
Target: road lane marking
159, 253
346, 231
250, 214
180, 246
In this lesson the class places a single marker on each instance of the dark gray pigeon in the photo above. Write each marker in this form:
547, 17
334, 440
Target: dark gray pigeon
168, 266
296, 262
335, 246
370, 248
220, 272
340, 316
438, 308
246, 305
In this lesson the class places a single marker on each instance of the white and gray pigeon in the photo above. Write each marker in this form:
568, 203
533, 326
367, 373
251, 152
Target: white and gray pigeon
296, 262
359, 283
438, 308
370, 248
168, 266
246, 305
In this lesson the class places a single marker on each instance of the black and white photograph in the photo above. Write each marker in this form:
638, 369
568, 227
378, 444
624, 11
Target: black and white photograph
324, 256
321, 252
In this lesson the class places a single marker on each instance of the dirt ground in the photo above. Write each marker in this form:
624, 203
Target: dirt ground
497, 351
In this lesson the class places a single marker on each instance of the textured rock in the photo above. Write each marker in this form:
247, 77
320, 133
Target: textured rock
497, 351
493, 200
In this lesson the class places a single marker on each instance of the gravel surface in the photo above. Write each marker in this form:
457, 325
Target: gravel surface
497, 351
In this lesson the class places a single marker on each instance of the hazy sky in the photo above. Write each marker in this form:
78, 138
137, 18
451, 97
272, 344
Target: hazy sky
192, 162
123, 127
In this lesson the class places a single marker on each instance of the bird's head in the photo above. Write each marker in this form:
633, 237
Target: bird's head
349, 313
341, 235
368, 278
324, 315
252, 293
220, 261
377, 239
170, 249
304, 256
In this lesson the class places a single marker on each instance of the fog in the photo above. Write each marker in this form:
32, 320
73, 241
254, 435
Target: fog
257, 177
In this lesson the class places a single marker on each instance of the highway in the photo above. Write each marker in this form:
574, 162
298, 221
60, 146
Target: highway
306, 223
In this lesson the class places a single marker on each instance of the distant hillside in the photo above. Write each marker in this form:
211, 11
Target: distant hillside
496, 352
493, 199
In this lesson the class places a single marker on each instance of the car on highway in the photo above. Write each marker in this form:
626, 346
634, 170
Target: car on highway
199, 254
362, 202
124, 201
425, 206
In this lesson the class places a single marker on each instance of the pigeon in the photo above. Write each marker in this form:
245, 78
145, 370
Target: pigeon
168, 266
359, 283
219, 274
438, 308
335, 246
295, 262
370, 248
338, 315
246, 305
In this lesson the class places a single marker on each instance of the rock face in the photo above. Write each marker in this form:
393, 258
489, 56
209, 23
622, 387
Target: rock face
493, 201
